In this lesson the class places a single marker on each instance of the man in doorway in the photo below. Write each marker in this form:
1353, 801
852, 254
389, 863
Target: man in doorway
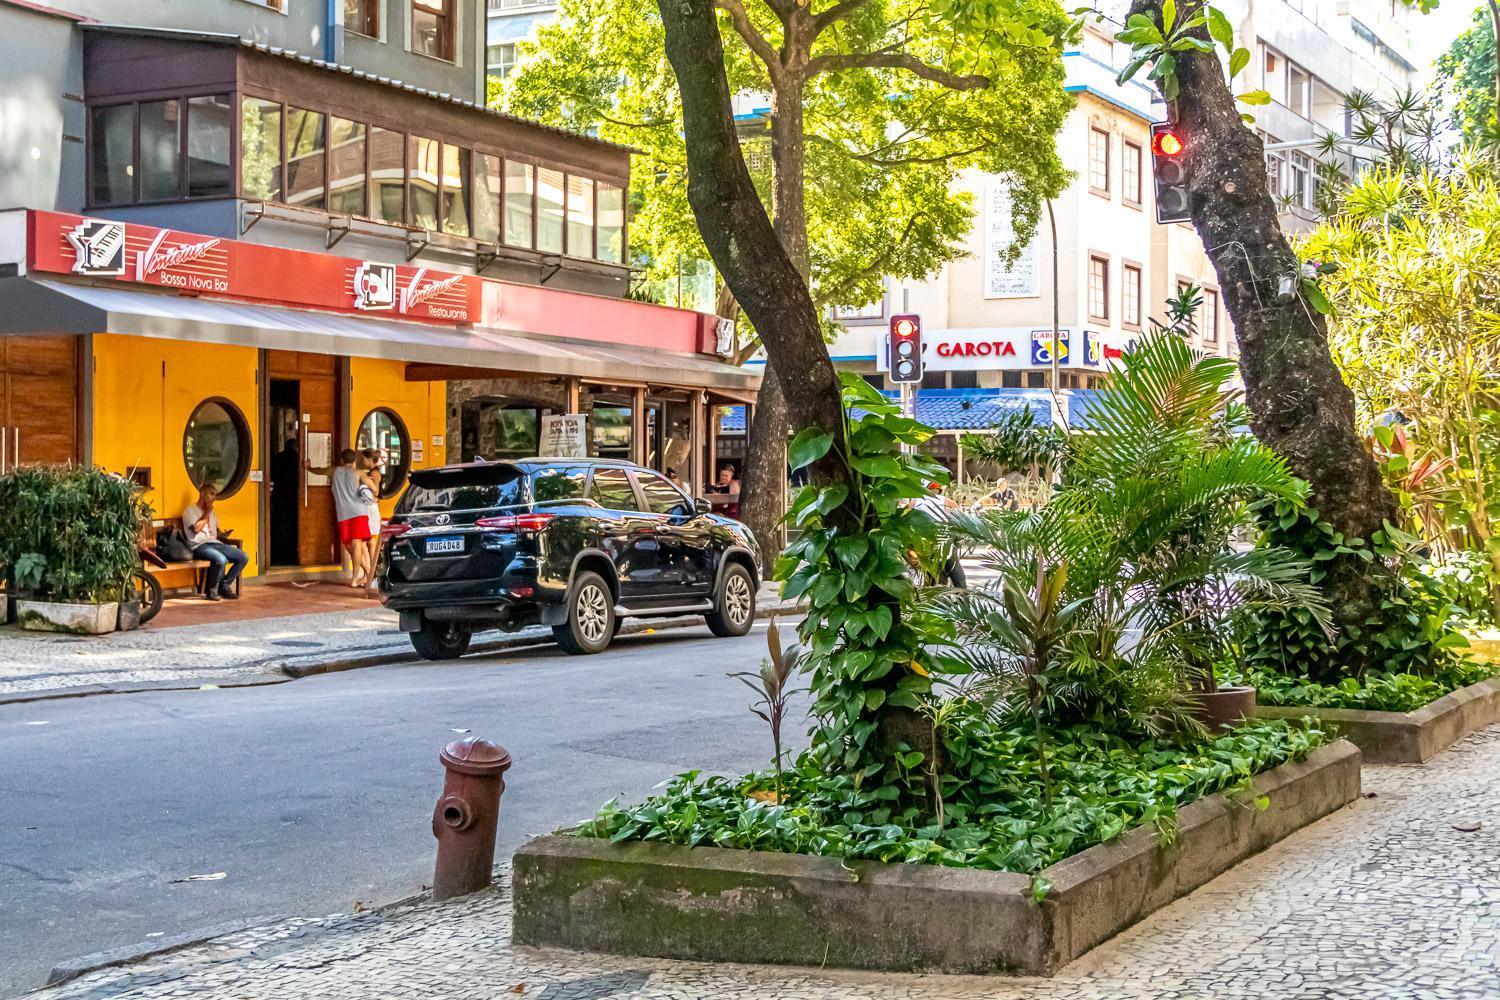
225, 562
353, 519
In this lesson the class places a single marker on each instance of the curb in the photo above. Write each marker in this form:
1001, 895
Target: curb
141, 951
281, 669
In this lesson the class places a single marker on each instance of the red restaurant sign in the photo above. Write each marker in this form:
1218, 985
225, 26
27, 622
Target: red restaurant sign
205, 265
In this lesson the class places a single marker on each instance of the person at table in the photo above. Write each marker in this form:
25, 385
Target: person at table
200, 522
728, 482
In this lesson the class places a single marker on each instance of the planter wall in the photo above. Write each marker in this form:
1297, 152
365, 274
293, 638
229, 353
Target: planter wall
716, 905
79, 619
1406, 737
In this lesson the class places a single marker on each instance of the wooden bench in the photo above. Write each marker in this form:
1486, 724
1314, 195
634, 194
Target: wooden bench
185, 575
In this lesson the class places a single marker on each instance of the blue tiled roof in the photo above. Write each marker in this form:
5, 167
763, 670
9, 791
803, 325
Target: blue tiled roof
963, 409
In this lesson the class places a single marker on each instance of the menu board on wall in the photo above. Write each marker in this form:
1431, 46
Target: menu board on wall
1001, 280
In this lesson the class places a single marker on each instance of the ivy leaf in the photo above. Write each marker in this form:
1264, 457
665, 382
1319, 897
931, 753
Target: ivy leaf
810, 444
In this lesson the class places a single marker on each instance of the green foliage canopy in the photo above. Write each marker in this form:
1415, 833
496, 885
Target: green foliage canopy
1467, 72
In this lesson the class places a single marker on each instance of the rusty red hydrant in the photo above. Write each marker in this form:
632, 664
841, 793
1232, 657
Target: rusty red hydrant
465, 818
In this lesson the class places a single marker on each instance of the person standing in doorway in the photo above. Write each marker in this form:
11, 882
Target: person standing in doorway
353, 518
200, 522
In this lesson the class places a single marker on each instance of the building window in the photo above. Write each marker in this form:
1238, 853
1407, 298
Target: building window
216, 446
549, 210
520, 203
1130, 296
260, 149
1099, 160
1299, 187
422, 182
611, 223
1130, 174
161, 151
387, 175
306, 158
208, 128
1036, 380
383, 430
277, 5
874, 309
346, 167
1098, 287
1298, 89
456, 190
963, 380
112, 135
432, 25
1210, 316
362, 17
1273, 172
580, 217
501, 59
486, 195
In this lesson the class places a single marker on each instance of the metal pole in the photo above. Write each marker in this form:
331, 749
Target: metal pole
1059, 414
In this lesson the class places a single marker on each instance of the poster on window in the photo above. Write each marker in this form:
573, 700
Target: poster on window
1001, 280
563, 436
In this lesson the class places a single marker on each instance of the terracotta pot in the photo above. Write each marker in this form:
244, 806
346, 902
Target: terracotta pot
1224, 708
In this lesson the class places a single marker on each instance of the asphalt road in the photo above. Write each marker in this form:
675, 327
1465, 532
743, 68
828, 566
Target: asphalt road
317, 793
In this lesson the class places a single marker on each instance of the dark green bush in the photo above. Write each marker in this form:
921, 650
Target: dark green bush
69, 533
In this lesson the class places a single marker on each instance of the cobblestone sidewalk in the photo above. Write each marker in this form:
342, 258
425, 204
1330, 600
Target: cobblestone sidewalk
1385, 899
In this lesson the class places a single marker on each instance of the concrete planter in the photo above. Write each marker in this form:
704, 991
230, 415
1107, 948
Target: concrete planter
1406, 737
715, 905
79, 619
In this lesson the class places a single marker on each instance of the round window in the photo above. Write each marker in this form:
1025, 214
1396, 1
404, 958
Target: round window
216, 446
384, 432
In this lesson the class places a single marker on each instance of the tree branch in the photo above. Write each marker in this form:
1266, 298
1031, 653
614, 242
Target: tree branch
876, 160
824, 299
895, 60
753, 38
837, 12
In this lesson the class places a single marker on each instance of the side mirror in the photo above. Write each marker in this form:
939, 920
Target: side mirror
702, 506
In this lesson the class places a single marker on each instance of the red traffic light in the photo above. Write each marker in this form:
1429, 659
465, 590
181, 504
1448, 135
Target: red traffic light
906, 348
1167, 143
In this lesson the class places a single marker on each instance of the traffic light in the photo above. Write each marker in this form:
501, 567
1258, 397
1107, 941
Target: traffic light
906, 349
1169, 163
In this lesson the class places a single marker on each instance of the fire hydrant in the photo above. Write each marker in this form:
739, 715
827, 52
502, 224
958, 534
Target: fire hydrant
465, 818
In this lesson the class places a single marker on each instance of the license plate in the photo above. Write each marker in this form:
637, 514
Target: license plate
445, 545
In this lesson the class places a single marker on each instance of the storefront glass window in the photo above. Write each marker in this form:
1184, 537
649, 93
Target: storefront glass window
455, 190
422, 170
216, 446
161, 150
486, 197
611, 223
580, 217
260, 149
520, 192
208, 146
112, 133
508, 432
387, 175
383, 430
307, 157
549, 207
610, 431
346, 167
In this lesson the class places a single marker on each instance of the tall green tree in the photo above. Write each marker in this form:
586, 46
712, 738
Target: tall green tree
1467, 71
881, 102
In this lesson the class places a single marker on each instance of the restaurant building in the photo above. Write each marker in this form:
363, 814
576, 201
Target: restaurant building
256, 258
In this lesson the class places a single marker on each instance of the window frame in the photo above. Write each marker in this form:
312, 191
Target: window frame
641, 476
1210, 331
370, 16
1140, 164
1100, 258
1126, 268
134, 103
446, 11
1096, 132
391, 485
245, 444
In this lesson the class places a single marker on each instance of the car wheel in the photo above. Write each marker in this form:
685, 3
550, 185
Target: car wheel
734, 605
591, 616
441, 640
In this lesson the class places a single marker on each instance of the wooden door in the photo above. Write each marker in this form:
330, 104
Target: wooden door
39, 404
317, 378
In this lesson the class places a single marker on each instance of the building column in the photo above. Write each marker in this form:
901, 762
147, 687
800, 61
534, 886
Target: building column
697, 444
638, 427
570, 393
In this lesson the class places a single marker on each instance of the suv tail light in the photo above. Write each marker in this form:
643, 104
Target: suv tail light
516, 522
392, 530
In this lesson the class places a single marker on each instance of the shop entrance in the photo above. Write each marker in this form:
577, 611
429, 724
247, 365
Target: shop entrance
38, 400
302, 449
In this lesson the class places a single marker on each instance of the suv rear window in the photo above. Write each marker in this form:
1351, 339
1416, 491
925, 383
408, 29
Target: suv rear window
560, 483
475, 488
612, 490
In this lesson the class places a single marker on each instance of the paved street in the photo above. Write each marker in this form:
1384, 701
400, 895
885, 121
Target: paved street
312, 795
1383, 900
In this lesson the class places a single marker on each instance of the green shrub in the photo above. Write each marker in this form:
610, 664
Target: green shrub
1377, 692
69, 533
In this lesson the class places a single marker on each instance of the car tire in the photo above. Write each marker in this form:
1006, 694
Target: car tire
734, 604
591, 616
441, 640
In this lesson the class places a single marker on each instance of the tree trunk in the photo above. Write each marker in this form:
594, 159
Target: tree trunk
1299, 405
763, 478
740, 239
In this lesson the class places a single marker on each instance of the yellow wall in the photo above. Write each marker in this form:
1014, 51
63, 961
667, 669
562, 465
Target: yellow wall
144, 392
422, 407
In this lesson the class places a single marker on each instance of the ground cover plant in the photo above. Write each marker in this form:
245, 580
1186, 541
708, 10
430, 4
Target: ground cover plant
1378, 692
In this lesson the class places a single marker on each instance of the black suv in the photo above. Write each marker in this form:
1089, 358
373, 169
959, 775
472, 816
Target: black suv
577, 544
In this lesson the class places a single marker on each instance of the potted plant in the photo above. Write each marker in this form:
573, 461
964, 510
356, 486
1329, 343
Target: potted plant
68, 539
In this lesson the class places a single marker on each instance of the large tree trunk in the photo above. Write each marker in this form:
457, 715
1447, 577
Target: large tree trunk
744, 246
1299, 405
763, 479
